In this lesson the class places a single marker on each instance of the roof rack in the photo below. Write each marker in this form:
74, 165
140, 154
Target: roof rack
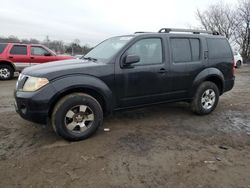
168, 30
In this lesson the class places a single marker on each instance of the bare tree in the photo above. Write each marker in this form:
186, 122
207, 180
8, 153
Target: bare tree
218, 17
242, 33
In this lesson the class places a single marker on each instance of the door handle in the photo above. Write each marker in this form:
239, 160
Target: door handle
10, 57
32, 58
205, 54
162, 70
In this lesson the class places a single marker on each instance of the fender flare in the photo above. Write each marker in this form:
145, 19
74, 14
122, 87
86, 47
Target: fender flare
8, 62
206, 74
79, 83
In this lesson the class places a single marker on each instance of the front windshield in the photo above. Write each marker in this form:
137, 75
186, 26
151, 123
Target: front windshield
108, 48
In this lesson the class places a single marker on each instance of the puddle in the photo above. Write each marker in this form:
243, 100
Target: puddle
236, 121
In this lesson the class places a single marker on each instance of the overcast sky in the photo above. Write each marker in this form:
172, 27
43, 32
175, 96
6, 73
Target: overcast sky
92, 21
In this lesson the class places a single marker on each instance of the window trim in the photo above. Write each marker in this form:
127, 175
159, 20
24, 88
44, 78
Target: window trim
19, 45
188, 38
139, 65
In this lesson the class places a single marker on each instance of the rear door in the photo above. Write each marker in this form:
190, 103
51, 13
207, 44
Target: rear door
18, 54
186, 63
39, 54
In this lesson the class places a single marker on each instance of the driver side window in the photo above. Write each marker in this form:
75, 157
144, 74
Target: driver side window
149, 51
39, 51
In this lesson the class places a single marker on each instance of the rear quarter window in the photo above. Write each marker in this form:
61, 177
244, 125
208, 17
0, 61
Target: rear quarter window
218, 48
2, 47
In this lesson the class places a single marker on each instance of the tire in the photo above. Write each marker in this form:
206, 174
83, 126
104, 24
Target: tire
6, 72
77, 116
205, 99
238, 64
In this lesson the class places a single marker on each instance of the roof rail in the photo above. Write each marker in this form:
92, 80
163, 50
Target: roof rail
168, 30
138, 32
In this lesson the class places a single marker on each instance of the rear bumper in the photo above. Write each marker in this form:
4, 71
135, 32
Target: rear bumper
229, 84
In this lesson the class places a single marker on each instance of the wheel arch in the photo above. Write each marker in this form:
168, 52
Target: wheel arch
217, 81
211, 74
82, 84
8, 63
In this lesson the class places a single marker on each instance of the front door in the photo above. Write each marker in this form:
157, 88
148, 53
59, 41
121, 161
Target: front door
146, 81
38, 55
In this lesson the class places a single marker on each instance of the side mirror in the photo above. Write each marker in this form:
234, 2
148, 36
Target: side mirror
130, 59
47, 54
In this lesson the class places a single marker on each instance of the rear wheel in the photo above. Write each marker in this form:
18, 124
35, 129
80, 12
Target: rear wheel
6, 72
205, 99
238, 64
77, 116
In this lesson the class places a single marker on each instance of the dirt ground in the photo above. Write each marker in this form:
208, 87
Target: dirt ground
159, 146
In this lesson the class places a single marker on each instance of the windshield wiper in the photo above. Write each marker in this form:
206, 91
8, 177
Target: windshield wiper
90, 58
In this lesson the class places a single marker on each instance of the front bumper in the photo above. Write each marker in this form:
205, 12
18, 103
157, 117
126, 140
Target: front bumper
34, 106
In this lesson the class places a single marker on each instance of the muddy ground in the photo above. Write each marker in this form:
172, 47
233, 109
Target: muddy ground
159, 146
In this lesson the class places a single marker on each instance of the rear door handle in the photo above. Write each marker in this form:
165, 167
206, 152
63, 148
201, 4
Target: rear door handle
10, 57
162, 70
205, 54
32, 58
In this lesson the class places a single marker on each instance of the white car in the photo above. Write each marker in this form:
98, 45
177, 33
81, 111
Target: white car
78, 56
238, 61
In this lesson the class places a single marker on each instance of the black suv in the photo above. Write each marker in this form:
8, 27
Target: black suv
124, 72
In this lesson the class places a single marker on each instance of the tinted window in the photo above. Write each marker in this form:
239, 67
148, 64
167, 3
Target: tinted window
195, 47
149, 51
2, 47
218, 48
37, 50
18, 50
181, 50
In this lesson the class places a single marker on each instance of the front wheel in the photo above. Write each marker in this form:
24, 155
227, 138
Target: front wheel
77, 116
205, 99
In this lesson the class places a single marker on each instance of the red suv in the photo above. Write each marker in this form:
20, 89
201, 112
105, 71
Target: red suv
15, 57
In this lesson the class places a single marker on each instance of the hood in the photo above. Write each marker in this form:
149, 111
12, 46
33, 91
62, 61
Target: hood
56, 69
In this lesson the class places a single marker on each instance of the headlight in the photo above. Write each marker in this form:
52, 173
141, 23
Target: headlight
34, 83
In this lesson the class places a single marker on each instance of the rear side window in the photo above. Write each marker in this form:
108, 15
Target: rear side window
19, 50
2, 47
195, 47
218, 48
181, 50
185, 49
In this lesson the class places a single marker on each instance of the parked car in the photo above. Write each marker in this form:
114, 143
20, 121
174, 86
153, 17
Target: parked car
238, 61
16, 57
127, 72
78, 56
